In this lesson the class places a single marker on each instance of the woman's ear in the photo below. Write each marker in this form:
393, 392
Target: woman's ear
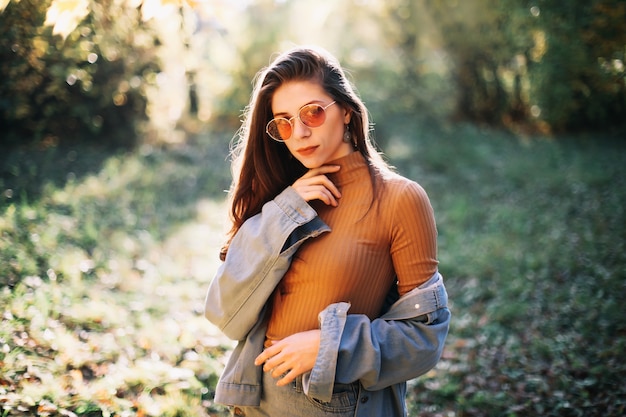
347, 116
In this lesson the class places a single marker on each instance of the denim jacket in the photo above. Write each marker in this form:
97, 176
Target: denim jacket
405, 342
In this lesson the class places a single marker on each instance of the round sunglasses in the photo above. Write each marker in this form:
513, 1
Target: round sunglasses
311, 115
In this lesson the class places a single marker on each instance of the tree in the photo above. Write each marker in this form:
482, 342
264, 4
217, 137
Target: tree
559, 68
579, 82
76, 70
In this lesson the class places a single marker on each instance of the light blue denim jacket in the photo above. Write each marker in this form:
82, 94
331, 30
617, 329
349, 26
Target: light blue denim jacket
405, 342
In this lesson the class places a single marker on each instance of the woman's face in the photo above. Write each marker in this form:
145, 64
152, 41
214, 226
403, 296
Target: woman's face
312, 146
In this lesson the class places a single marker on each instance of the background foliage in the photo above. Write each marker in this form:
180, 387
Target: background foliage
88, 86
558, 67
115, 121
87, 71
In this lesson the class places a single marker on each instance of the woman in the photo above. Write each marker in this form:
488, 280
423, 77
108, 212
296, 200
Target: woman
329, 280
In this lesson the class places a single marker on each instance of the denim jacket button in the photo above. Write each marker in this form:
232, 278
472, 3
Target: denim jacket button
364, 399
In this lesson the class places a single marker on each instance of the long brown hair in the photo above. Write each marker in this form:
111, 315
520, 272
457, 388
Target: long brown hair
262, 167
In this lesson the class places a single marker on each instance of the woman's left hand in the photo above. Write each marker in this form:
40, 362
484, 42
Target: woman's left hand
290, 357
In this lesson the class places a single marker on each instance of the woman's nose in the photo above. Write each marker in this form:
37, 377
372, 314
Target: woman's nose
300, 130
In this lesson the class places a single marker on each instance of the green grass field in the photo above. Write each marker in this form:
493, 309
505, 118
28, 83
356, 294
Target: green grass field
105, 259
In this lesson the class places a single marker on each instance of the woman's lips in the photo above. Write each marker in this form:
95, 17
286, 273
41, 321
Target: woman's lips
306, 151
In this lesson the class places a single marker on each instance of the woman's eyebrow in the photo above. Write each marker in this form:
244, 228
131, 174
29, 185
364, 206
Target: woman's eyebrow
287, 115
282, 114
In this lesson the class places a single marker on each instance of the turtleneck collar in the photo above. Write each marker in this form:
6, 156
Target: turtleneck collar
353, 167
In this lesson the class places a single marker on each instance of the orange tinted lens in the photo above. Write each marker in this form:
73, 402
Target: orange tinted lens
280, 129
312, 115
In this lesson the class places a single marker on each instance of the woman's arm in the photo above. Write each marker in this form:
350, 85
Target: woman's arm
261, 251
413, 231
257, 259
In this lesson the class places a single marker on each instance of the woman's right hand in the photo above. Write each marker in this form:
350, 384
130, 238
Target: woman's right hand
315, 185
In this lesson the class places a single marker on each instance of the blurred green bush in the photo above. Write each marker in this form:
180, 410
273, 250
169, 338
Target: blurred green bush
536, 63
88, 86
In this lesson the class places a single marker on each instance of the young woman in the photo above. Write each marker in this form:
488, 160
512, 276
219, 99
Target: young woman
329, 280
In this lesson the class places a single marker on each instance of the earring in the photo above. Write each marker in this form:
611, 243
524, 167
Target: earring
347, 136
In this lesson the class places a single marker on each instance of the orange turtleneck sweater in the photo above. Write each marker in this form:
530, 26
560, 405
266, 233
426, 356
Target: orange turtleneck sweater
370, 246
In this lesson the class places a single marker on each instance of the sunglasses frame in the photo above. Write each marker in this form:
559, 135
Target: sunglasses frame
297, 116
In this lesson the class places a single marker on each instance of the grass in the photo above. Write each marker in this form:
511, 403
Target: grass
104, 272
532, 241
103, 280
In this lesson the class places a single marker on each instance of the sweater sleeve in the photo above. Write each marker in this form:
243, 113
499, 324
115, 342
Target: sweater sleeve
413, 237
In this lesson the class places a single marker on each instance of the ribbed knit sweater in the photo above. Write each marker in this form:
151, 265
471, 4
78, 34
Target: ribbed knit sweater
371, 245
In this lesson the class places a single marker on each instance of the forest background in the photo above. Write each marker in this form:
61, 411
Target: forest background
116, 118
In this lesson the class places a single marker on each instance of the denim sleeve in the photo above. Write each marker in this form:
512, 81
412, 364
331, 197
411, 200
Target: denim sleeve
258, 257
394, 348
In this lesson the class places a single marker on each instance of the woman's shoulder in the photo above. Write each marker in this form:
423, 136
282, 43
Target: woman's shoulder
398, 185
403, 201
399, 194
